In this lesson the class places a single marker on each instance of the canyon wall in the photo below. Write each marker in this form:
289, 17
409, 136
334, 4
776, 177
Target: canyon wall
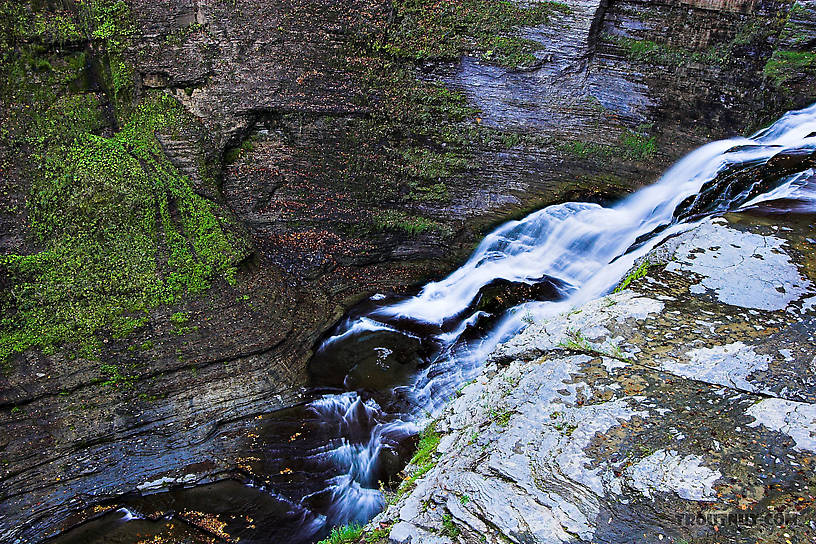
193, 191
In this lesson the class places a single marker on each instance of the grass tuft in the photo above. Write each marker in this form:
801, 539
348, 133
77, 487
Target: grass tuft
640, 272
346, 534
423, 460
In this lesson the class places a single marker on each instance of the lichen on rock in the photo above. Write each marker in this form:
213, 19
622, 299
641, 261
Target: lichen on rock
593, 448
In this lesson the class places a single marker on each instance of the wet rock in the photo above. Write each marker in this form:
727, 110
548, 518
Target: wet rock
666, 470
670, 413
768, 279
795, 419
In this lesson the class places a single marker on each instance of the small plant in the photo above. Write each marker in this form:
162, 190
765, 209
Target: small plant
113, 377
576, 341
180, 36
464, 499
638, 146
501, 417
528, 317
638, 273
346, 534
423, 460
179, 318
561, 425
449, 528
512, 381
378, 534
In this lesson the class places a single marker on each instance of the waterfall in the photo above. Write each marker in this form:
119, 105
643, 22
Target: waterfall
582, 249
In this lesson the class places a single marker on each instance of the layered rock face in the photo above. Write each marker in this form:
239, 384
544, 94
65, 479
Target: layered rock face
678, 409
333, 164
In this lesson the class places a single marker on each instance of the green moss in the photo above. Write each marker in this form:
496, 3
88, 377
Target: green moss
113, 376
649, 52
638, 146
634, 145
182, 34
247, 146
117, 228
431, 165
446, 30
501, 416
422, 461
179, 318
449, 528
798, 10
343, 535
412, 224
786, 65
585, 150
102, 208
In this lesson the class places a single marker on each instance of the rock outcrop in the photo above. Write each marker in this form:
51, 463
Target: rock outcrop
681, 408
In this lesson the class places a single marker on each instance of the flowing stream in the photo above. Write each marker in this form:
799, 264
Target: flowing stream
392, 364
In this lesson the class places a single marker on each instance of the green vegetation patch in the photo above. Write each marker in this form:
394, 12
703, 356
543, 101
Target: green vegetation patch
423, 460
446, 30
576, 341
650, 52
415, 140
412, 224
346, 534
121, 231
420, 135
786, 65
501, 416
116, 228
749, 37
638, 146
632, 144
71, 21
449, 528
638, 273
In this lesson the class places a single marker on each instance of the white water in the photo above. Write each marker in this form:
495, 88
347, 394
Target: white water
573, 242
583, 245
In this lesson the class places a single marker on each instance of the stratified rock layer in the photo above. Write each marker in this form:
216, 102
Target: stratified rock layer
281, 104
664, 412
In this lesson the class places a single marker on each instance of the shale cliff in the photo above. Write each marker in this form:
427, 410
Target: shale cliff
193, 191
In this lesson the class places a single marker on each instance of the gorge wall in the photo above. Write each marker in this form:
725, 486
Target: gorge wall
235, 174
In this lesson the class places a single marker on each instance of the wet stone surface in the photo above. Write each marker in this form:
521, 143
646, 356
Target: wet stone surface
678, 410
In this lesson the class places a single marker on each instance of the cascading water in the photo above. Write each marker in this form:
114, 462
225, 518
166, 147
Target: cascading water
393, 363
582, 249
